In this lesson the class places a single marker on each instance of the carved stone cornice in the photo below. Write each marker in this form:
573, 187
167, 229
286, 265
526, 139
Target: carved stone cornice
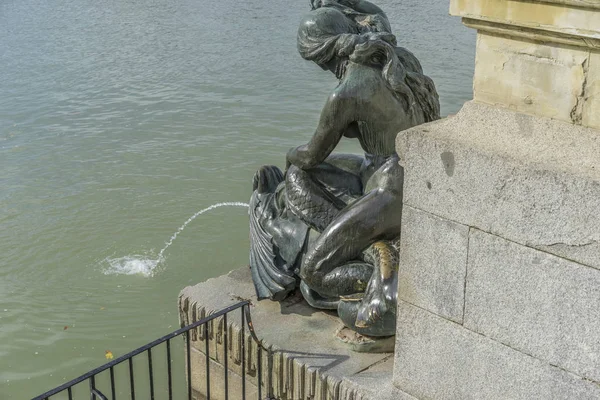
537, 57
570, 22
531, 33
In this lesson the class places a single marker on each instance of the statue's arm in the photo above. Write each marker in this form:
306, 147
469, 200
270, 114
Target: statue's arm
335, 118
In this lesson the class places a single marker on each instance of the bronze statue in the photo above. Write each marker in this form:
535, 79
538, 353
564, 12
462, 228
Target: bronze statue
331, 223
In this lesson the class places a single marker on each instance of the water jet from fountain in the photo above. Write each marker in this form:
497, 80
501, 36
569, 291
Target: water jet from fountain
146, 266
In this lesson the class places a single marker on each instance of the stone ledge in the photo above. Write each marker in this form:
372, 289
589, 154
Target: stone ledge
531, 180
537, 57
217, 380
308, 361
374, 383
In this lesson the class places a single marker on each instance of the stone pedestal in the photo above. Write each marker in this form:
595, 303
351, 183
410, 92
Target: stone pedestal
537, 57
308, 361
499, 278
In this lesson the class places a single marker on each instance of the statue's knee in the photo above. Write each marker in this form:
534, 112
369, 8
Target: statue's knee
295, 176
295, 185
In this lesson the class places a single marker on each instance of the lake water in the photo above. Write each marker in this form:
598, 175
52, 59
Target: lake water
119, 119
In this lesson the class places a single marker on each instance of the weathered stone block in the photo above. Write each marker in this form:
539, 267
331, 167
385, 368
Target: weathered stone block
439, 359
532, 180
534, 302
591, 96
536, 57
433, 263
217, 380
373, 383
537, 79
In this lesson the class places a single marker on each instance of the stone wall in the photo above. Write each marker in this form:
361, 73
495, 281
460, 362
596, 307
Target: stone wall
499, 289
499, 282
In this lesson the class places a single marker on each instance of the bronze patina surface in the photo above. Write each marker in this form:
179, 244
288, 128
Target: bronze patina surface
330, 224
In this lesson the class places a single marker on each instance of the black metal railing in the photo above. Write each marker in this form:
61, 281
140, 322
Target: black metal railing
173, 386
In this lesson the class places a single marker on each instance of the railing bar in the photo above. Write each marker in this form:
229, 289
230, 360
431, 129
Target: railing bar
99, 394
92, 381
251, 328
225, 353
246, 322
259, 375
169, 369
260, 346
150, 374
206, 351
70, 392
189, 365
140, 350
243, 354
269, 373
131, 382
112, 384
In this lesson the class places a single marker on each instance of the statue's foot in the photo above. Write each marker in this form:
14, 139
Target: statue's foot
348, 311
372, 307
373, 313
382, 291
315, 300
365, 344
366, 313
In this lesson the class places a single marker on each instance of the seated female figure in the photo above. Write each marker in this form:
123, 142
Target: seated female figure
354, 202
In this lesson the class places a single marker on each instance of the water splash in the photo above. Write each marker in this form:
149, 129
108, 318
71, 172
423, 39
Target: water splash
147, 266
132, 265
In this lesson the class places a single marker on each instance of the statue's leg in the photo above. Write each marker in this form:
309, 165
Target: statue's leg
318, 195
350, 279
352, 163
375, 216
315, 300
373, 312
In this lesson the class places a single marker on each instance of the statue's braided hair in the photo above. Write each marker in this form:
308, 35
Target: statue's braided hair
328, 35
403, 74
